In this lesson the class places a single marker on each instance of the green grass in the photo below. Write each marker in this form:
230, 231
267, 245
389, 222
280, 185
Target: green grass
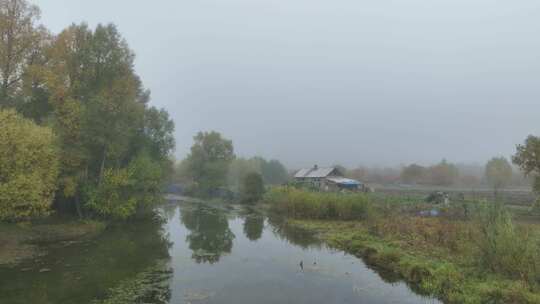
315, 205
428, 274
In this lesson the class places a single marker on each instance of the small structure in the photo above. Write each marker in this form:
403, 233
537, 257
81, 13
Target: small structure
327, 179
342, 183
438, 197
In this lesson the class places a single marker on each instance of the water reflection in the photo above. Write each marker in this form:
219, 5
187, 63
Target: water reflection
293, 235
253, 226
81, 272
209, 234
264, 267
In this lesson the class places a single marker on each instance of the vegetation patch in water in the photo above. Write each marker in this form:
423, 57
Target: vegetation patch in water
20, 241
149, 286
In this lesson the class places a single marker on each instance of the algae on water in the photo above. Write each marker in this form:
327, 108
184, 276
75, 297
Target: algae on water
149, 286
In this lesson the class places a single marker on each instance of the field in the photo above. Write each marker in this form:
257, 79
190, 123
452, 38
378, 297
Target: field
517, 196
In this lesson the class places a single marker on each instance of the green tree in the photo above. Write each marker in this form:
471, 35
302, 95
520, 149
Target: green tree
238, 169
252, 188
527, 157
158, 132
124, 192
113, 197
209, 161
274, 172
28, 168
498, 173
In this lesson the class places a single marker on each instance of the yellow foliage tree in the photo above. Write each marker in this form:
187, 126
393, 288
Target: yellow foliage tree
28, 168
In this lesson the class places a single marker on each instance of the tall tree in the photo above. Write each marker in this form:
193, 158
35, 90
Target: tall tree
209, 160
82, 84
99, 109
498, 173
20, 41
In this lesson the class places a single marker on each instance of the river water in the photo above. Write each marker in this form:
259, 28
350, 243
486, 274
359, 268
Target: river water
221, 254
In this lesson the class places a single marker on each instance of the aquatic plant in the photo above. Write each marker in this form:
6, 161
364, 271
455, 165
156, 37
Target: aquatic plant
149, 286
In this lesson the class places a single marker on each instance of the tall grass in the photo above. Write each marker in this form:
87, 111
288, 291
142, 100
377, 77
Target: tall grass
298, 203
506, 248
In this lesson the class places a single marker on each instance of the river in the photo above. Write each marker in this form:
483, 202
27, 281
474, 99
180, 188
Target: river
225, 255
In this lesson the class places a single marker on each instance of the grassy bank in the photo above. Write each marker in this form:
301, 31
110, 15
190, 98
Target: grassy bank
21, 241
480, 258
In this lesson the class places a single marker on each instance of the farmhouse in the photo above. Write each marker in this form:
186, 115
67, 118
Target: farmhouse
327, 179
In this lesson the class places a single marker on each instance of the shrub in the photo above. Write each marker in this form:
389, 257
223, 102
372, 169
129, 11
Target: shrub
112, 198
316, 205
504, 248
123, 192
28, 168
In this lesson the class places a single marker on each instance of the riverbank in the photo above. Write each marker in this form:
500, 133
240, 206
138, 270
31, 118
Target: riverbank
466, 253
21, 241
429, 270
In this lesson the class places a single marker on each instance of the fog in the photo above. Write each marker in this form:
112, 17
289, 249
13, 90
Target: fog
349, 81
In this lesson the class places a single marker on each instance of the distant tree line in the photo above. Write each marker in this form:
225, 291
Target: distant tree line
497, 173
77, 127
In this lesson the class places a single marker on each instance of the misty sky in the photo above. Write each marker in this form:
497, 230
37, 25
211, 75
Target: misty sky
379, 82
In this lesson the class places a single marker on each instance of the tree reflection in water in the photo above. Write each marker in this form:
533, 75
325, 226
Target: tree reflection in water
295, 236
253, 226
210, 236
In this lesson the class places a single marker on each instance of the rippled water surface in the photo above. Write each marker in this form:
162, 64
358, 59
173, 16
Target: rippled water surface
216, 254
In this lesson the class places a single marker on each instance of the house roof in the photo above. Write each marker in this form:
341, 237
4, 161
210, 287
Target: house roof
320, 172
302, 172
314, 172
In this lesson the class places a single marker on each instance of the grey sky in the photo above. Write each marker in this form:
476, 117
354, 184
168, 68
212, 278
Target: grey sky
344, 81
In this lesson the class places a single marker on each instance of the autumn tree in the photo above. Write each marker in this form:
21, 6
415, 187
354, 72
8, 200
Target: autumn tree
100, 111
20, 42
498, 173
28, 167
82, 84
413, 174
443, 174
